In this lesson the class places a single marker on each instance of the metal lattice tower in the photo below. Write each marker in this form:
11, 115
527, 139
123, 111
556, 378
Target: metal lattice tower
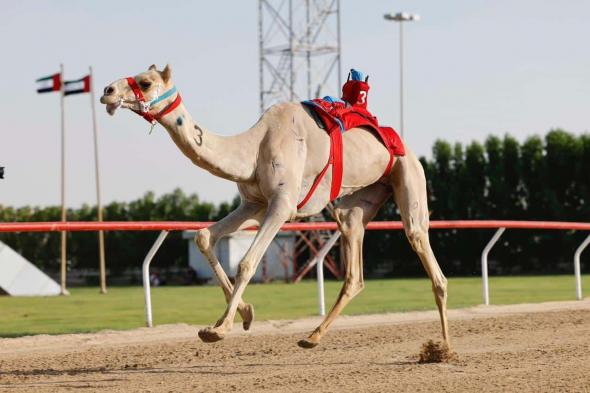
299, 50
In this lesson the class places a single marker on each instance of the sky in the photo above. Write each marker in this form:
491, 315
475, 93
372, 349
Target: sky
472, 68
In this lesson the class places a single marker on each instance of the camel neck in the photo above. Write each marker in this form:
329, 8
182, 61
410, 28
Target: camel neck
228, 157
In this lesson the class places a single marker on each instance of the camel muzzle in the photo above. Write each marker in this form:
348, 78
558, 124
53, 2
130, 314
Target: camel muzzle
111, 100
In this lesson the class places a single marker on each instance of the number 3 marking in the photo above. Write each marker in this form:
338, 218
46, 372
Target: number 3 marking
363, 98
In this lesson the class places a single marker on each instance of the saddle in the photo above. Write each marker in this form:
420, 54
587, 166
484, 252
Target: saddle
340, 115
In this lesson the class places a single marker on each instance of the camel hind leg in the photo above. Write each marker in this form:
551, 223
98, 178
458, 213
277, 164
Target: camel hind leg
352, 214
409, 186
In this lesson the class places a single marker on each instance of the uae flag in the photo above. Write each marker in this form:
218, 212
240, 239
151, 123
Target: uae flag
77, 86
49, 83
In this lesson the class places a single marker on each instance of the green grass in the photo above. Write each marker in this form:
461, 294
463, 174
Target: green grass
85, 310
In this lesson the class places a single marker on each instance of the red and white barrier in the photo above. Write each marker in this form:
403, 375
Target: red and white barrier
91, 226
166, 226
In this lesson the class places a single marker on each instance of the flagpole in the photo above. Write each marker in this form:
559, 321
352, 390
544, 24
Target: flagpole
102, 263
63, 290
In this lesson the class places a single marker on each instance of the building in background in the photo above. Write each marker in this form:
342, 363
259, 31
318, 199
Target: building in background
276, 264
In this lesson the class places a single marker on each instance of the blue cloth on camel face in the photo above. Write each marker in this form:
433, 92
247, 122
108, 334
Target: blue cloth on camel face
357, 75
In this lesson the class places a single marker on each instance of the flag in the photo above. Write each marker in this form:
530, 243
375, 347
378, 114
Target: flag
77, 86
49, 83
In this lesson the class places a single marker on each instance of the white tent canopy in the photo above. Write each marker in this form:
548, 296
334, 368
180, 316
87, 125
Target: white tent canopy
19, 277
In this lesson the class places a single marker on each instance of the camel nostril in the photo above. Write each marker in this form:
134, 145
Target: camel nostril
109, 90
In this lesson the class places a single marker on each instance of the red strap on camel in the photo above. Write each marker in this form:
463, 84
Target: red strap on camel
146, 106
337, 118
136, 90
335, 151
166, 110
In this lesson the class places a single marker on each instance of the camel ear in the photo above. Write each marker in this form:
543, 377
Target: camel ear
166, 74
152, 68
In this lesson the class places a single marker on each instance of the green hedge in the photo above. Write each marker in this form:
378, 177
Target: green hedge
540, 179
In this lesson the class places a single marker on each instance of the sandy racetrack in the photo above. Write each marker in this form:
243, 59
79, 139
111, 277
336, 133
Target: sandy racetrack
524, 348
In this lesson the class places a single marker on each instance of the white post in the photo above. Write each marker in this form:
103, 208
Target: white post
321, 297
320, 270
146, 276
577, 270
484, 265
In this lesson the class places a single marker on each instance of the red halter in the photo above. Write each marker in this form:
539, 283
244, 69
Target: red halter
146, 106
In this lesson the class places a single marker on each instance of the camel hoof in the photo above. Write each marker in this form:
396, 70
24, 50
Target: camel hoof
247, 316
306, 343
210, 335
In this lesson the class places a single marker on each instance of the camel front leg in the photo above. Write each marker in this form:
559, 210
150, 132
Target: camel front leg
246, 215
279, 210
352, 215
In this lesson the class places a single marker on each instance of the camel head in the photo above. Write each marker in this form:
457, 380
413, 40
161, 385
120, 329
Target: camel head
141, 92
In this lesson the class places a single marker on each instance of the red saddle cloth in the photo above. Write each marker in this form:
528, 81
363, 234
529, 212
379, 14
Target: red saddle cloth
339, 117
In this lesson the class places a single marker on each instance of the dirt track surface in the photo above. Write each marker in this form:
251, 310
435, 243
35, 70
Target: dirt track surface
524, 348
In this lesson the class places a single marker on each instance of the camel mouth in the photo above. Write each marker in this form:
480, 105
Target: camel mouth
112, 107
112, 103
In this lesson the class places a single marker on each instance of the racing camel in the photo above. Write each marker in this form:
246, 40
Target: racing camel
276, 164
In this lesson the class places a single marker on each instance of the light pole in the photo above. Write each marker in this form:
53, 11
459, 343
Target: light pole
401, 17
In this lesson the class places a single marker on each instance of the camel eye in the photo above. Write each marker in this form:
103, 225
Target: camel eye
145, 84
